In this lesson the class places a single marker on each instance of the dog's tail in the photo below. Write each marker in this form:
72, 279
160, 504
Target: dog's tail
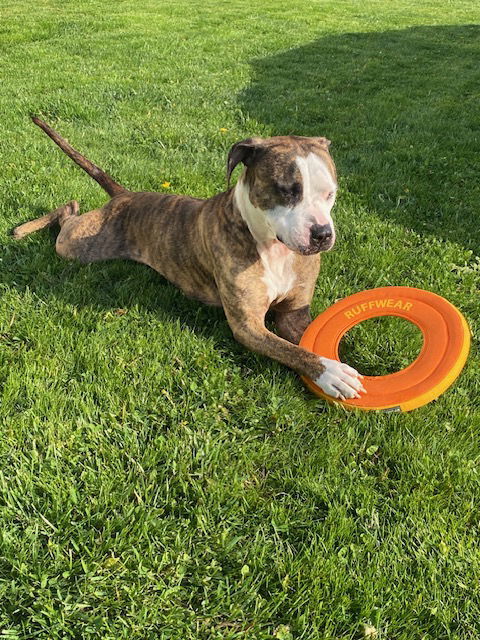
103, 179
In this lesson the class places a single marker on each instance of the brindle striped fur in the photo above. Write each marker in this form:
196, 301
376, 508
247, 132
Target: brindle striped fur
203, 246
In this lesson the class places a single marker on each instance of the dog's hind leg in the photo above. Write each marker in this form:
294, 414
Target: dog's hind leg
70, 243
91, 237
59, 215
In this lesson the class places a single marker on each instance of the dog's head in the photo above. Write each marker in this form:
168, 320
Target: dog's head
287, 190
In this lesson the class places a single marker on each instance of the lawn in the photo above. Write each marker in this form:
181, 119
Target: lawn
157, 480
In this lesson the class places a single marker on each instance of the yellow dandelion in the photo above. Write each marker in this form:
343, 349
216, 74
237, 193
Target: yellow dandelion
223, 130
165, 184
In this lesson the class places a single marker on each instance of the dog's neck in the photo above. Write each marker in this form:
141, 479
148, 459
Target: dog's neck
275, 257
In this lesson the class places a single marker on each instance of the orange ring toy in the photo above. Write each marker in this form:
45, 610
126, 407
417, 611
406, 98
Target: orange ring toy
446, 343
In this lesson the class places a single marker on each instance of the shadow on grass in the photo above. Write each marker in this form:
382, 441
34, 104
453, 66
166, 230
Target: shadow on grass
401, 108
32, 264
111, 287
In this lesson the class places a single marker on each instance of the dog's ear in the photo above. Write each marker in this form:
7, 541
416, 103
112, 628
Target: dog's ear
244, 151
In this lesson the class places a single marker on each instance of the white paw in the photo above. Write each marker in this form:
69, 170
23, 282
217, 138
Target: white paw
339, 380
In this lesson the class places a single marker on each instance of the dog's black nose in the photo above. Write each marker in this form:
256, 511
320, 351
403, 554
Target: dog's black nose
321, 232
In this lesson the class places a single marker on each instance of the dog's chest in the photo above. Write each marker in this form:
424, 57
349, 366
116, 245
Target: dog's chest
278, 272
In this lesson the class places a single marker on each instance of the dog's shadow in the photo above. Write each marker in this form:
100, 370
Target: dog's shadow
113, 287
401, 108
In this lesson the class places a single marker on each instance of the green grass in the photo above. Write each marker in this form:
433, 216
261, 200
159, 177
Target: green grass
157, 481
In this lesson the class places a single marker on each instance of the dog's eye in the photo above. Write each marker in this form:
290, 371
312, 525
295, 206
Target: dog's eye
330, 195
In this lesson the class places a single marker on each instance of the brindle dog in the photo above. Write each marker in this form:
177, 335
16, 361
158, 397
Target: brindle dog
253, 248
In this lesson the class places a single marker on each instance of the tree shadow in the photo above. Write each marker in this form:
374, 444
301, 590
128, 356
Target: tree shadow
401, 108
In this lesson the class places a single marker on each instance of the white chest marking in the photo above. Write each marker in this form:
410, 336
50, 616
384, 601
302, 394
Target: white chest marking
279, 275
317, 183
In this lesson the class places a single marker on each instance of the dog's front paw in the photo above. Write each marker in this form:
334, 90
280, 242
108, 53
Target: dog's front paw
339, 380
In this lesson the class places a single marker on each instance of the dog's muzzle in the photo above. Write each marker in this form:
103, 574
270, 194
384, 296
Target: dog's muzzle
321, 239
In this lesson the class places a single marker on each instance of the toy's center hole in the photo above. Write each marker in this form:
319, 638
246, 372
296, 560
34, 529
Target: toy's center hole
380, 346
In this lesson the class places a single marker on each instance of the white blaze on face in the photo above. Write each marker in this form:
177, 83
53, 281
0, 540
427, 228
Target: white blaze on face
318, 184
293, 225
